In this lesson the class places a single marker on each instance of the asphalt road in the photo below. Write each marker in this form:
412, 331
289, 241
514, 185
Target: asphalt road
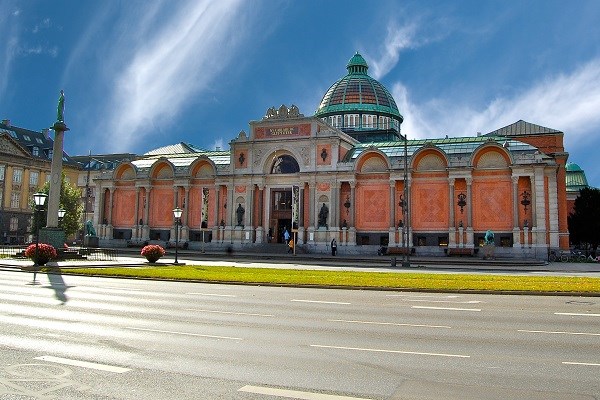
68, 337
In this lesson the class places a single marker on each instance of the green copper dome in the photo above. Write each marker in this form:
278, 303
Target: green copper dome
357, 92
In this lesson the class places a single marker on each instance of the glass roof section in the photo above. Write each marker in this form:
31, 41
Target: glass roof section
450, 146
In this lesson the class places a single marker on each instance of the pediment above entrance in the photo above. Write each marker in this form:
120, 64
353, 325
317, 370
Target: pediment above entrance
8, 146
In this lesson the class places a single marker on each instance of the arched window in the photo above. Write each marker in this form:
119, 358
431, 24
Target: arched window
285, 165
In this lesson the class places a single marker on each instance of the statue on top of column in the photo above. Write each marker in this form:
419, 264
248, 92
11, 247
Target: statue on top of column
60, 109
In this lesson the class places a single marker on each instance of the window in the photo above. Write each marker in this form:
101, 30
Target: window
27, 138
34, 177
40, 141
14, 224
35, 151
15, 199
17, 175
282, 200
13, 134
47, 178
2, 168
50, 154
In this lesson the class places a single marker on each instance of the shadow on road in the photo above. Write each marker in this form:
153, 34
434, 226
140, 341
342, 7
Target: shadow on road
58, 285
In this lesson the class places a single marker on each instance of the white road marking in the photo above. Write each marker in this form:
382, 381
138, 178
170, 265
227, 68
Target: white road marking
445, 301
294, 394
581, 363
389, 323
184, 333
390, 351
212, 294
447, 308
577, 314
561, 333
422, 296
320, 301
84, 364
229, 312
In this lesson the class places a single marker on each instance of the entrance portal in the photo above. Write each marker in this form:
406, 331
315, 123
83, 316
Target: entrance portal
281, 214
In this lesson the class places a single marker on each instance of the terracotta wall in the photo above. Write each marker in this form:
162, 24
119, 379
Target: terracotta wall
430, 205
161, 211
124, 207
373, 206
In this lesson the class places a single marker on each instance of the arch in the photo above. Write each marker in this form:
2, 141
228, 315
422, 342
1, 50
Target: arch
491, 156
202, 167
162, 169
430, 158
125, 171
372, 161
284, 164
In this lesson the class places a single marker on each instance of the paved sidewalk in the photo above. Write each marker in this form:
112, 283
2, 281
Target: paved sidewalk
132, 258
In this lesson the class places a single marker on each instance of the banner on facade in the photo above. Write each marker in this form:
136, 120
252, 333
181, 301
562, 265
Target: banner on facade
295, 208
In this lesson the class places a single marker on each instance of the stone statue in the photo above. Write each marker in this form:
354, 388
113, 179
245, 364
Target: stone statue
240, 214
323, 213
489, 237
89, 228
60, 109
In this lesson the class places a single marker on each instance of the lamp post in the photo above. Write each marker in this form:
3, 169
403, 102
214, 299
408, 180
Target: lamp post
177, 214
61, 214
39, 199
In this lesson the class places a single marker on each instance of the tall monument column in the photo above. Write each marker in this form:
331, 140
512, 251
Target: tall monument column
52, 234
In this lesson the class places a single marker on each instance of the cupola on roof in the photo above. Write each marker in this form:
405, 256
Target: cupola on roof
357, 92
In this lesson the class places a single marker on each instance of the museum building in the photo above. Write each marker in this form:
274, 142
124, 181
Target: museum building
345, 173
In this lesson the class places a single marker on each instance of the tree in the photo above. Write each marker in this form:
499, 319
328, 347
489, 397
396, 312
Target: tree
584, 221
70, 197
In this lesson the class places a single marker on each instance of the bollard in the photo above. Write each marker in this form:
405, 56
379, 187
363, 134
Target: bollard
393, 262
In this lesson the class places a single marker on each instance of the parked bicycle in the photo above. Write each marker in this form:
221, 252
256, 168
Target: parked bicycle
566, 256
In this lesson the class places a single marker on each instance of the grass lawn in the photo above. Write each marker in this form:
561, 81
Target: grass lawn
381, 280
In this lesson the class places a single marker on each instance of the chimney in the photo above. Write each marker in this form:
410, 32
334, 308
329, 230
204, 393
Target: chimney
46, 133
218, 148
6, 122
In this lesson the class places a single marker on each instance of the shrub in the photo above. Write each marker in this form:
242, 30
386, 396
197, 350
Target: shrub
45, 253
153, 252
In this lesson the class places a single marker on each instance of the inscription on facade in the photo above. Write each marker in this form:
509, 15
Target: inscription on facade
264, 132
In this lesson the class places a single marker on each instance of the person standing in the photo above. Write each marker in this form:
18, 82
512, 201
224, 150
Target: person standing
333, 247
286, 236
291, 246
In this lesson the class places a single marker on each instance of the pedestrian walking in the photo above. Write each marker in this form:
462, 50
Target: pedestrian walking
286, 236
291, 246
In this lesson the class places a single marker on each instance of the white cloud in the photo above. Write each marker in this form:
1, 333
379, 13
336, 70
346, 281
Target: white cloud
178, 55
567, 102
398, 39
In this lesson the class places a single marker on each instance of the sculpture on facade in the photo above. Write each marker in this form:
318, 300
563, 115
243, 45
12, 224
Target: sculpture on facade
240, 214
323, 213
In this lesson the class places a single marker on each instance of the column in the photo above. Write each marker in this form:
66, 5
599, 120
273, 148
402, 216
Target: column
553, 209
392, 226
146, 227
352, 216
451, 218
136, 222
515, 202
470, 236
539, 231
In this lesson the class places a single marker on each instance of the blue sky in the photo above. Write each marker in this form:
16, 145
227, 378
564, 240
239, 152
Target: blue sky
138, 75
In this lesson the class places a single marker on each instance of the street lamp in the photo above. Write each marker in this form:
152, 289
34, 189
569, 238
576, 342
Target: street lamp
39, 199
61, 214
177, 214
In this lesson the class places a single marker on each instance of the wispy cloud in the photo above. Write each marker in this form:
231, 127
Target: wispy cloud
9, 42
169, 57
567, 102
398, 38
